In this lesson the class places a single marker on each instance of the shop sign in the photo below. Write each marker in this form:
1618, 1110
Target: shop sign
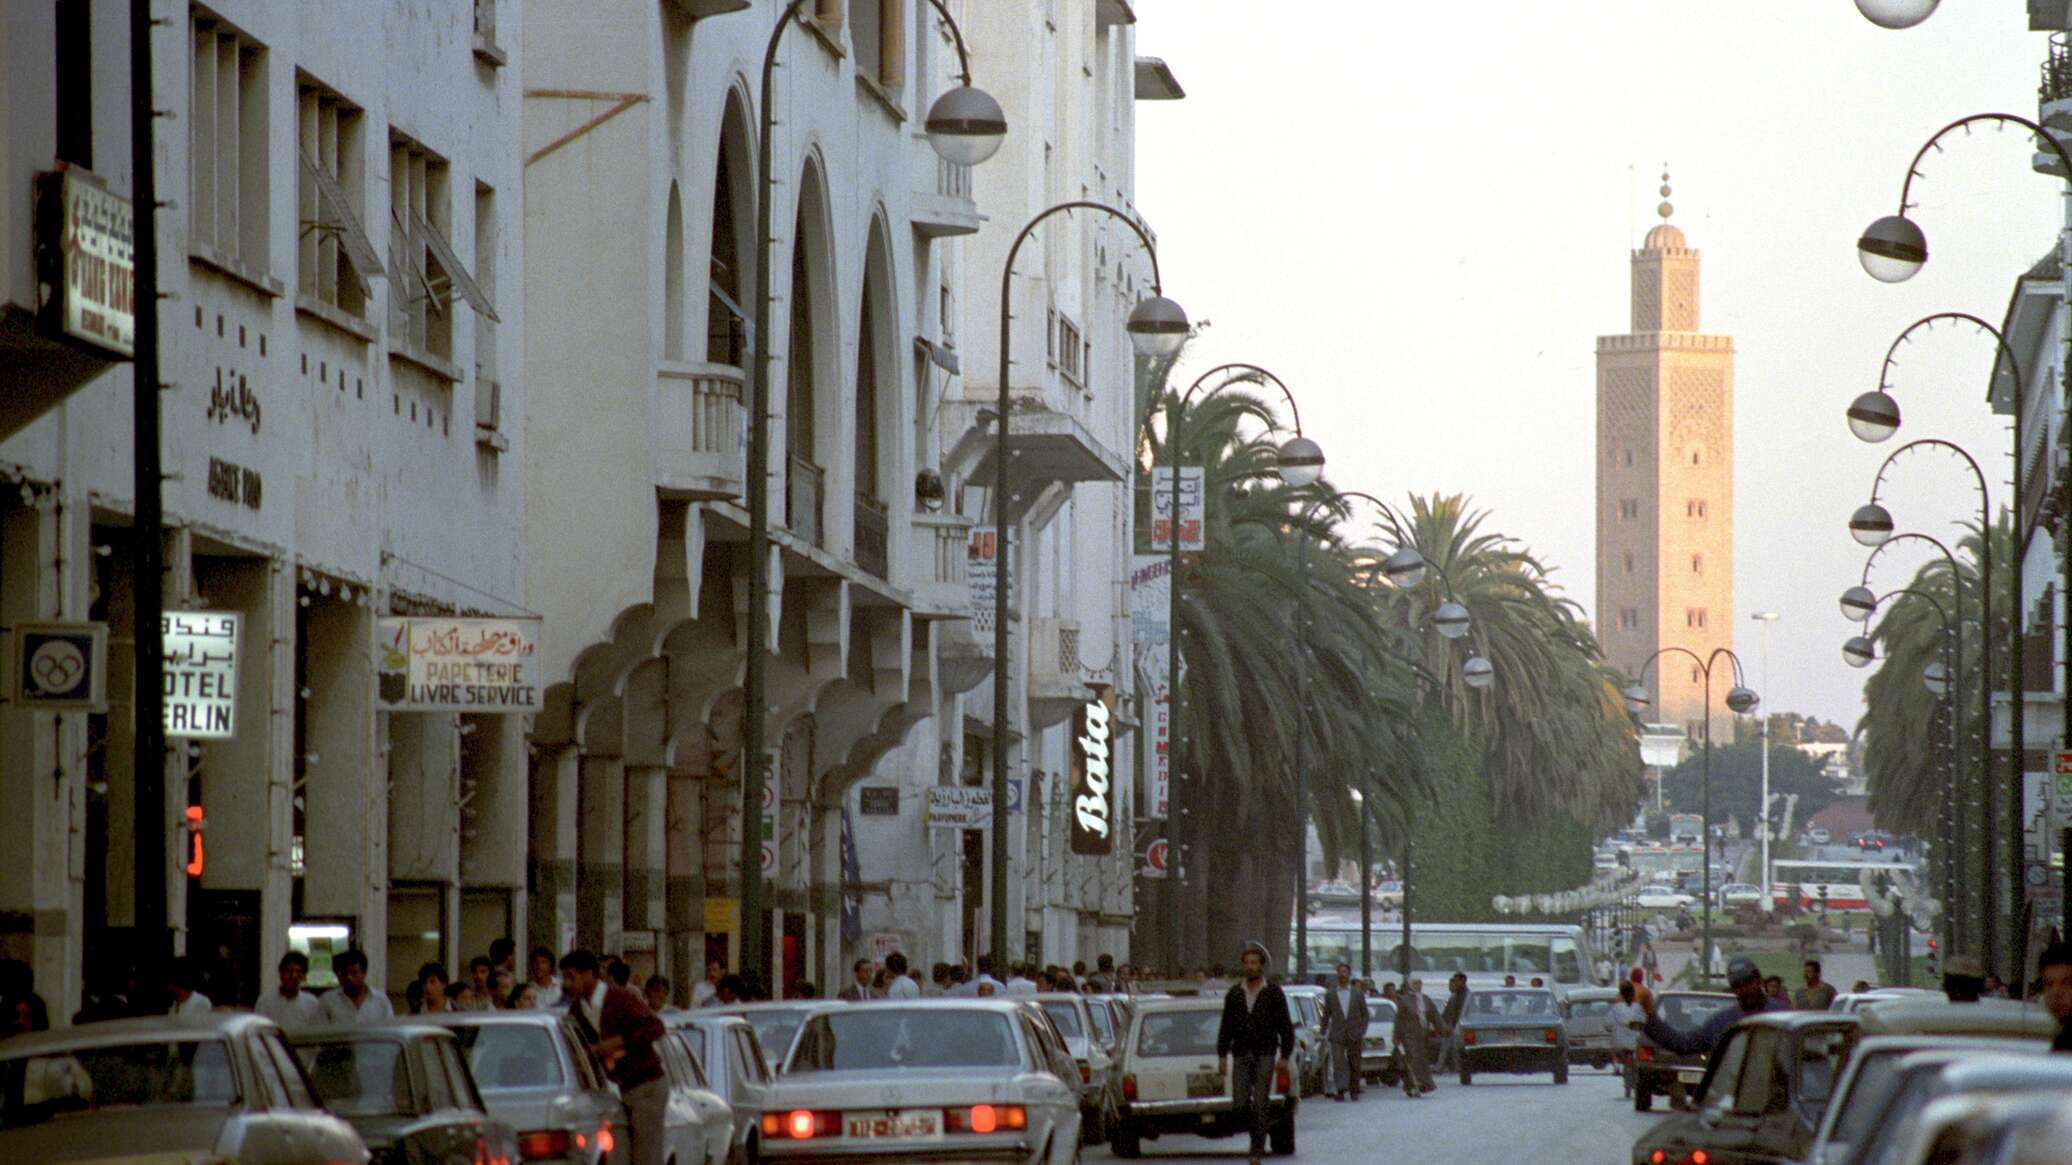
1093, 785
439, 664
1151, 597
879, 800
960, 807
200, 673
1154, 859
86, 257
722, 916
1190, 508
60, 666
982, 573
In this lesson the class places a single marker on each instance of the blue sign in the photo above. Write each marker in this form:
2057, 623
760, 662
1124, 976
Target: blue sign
57, 666
1014, 795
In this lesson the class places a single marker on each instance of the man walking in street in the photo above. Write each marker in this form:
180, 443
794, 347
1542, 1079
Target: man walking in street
1816, 995
900, 986
1344, 1034
860, 988
623, 1032
1456, 1002
1413, 1038
289, 1005
355, 1003
1256, 1028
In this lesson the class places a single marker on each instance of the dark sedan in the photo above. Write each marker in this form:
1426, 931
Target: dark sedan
1512, 1029
1762, 1096
407, 1090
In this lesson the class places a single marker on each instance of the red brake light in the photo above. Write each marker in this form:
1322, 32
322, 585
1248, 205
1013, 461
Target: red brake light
542, 1145
799, 1125
1129, 1086
1644, 1053
1280, 1080
1086, 1074
985, 1118
1553, 1036
1657, 1157
1700, 1157
1467, 1038
604, 1138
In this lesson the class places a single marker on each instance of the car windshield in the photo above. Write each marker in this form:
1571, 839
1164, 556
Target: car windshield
1877, 1078
1104, 1023
1066, 1017
161, 1073
774, 1027
1178, 1033
1522, 1003
505, 1056
357, 1077
876, 1039
1380, 1012
1690, 1011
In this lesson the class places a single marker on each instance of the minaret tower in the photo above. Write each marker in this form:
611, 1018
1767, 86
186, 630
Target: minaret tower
1665, 482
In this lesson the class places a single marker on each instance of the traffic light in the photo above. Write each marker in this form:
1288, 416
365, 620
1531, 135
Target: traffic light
1934, 960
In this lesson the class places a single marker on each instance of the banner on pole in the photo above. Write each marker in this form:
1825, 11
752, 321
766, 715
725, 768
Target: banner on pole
1191, 528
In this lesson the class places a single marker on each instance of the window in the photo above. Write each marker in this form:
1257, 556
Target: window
1629, 509
726, 324
946, 323
1726, 1075
1694, 457
877, 32
226, 141
1695, 508
1694, 617
1629, 458
488, 391
333, 256
75, 82
1697, 564
1070, 349
867, 484
1629, 619
1629, 562
425, 273
1761, 1088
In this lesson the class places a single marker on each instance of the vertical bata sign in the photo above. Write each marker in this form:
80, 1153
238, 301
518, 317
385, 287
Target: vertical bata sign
200, 674
86, 260
1093, 785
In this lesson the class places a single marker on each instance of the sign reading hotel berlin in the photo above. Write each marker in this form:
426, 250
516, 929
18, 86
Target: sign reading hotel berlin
86, 257
1093, 785
437, 664
200, 673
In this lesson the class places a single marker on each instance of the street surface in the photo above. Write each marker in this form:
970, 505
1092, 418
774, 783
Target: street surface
1497, 1118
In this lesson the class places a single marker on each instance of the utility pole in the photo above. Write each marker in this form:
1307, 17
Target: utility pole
1763, 806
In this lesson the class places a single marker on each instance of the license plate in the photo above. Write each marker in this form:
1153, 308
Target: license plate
1204, 1084
1690, 1075
909, 1125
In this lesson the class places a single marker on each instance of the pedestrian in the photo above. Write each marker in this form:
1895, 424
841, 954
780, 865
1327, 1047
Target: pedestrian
1510, 980
1257, 1030
1861, 986
354, 1002
1449, 1020
1102, 981
622, 1032
431, 991
1642, 993
523, 997
900, 985
1816, 995
1538, 983
1626, 1020
1344, 1034
655, 993
618, 971
1964, 979
938, 981
502, 985
1745, 981
1415, 1021
1994, 989
1773, 986
546, 988
706, 993
1019, 982
2054, 970
860, 989
730, 989
503, 956
184, 982
480, 991
288, 1004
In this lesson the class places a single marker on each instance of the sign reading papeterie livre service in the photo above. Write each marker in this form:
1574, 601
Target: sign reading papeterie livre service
439, 664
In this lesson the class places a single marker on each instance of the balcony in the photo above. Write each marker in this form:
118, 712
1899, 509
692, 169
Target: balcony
1051, 451
1057, 682
804, 487
701, 432
943, 544
943, 205
873, 537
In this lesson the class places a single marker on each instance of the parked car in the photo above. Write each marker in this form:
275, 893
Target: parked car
964, 1079
1935, 1015
538, 1076
1512, 1029
1875, 1075
1655, 1067
1111, 1017
735, 1069
1590, 1026
218, 1087
1658, 898
1988, 1129
776, 1023
1604, 860
1312, 1059
1378, 1050
1818, 835
1735, 894
1170, 1083
406, 1090
700, 1123
1099, 1080
1389, 895
1762, 1096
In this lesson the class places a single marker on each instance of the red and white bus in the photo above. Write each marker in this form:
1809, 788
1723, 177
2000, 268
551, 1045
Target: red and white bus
1842, 882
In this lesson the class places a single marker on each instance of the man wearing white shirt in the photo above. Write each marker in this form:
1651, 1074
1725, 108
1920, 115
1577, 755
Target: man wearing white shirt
289, 1005
186, 1000
902, 985
706, 993
546, 984
1019, 983
354, 1003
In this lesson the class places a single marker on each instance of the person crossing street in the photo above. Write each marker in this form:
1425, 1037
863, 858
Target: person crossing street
1415, 1021
1344, 1034
1257, 1030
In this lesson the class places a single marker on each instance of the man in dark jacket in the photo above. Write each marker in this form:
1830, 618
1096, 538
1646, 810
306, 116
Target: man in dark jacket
623, 1033
1345, 1033
1746, 982
1257, 1030
1456, 1000
2054, 969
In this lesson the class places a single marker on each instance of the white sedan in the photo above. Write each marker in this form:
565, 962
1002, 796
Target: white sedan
970, 1080
1663, 898
1740, 894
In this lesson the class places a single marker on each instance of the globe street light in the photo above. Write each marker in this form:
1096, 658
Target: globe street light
1896, 13
1300, 461
1859, 651
1157, 327
1405, 568
1892, 249
1451, 619
1871, 524
1936, 678
1477, 672
965, 125
1859, 604
1874, 416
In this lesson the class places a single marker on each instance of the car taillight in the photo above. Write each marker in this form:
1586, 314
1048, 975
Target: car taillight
801, 1124
1553, 1036
1129, 1086
604, 1139
1700, 1157
542, 1145
1280, 1080
1657, 1157
1086, 1074
985, 1118
1644, 1054
1467, 1038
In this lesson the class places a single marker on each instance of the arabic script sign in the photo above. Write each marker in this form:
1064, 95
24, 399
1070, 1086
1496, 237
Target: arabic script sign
89, 266
960, 807
200, 674
437, 664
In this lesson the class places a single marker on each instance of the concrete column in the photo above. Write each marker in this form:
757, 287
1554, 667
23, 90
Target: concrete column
345, 785
647, 820
683, 948
493, 839
551, 852
601, 853
423, 779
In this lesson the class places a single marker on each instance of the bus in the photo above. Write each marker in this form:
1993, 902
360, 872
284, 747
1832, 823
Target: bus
1803, 882
1649, 860
1485, 951
1686, 827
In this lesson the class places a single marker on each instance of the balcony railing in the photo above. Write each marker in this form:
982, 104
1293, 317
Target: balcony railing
953, 179
802, 495
700, 430
2057, 70
873, 536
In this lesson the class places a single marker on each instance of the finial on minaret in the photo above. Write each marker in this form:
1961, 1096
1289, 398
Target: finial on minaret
1665, 210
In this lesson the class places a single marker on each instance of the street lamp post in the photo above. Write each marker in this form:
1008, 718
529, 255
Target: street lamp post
1766, 618
1300, 462
1157, 328
1741, 700
1893, 249
964, 126
1366, 898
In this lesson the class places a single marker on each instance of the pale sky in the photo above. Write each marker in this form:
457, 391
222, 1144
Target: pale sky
1419, 216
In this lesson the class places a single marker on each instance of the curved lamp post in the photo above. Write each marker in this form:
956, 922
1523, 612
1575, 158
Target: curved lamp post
1874, 417
1300, 462
1157, 327
965, 126
1741, 700
1871, 525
